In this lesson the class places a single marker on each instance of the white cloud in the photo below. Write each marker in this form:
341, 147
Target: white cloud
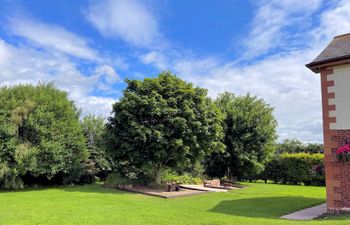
108, 72
52, 36
270, 24
156, 58
129, 20
96, 105
5, 54
334, 22
29, 65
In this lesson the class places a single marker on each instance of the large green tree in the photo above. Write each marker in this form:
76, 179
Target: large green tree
161, 123
41, 139
250, 135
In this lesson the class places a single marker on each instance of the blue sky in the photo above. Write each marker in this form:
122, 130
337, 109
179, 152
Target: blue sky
89, 47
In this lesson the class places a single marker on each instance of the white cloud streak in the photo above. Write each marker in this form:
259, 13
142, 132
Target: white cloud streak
333, 22
52, 36
270, 24
129, 20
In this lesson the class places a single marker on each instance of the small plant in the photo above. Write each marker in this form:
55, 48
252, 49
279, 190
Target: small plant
343, 153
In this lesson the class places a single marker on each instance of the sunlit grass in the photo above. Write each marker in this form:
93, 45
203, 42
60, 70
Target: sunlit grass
91, 204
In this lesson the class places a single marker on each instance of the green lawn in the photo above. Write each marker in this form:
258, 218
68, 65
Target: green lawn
91, 204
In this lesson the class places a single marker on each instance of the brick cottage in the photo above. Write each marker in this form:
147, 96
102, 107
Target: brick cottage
334, 66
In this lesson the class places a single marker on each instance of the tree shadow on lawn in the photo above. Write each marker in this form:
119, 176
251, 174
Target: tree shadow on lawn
267, 207
88, 188
95, 188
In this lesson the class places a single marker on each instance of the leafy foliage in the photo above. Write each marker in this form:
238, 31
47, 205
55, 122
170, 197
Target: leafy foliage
296, 168
40, 136
161, 123
99, 163
170, 176
250, 134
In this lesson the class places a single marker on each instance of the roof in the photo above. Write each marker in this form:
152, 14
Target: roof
338, 49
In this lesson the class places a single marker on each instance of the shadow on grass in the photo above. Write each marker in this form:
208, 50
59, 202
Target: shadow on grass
95, 188
335, 217
267, 207
88, 188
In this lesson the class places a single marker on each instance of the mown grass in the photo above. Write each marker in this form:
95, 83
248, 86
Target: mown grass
91, 204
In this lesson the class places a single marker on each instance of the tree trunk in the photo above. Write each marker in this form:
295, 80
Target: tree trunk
158, 174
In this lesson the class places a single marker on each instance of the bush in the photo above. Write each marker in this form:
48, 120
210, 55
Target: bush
295, 168
170, 176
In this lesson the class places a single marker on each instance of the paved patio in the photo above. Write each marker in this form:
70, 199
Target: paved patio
161, 192
307, 214
202, 188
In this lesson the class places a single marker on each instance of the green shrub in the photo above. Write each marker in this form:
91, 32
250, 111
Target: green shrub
170, 176
295, 168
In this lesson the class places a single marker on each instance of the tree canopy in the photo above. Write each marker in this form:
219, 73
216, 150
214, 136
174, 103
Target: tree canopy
163, 122
41, 139
250, 135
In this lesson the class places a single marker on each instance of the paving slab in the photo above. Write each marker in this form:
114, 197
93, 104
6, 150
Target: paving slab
308, 213
202, 188
162, 192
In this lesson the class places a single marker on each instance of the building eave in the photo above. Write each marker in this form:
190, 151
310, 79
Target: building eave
316, 66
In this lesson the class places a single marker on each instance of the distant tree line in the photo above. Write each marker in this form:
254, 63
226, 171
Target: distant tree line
160, 127
296, 146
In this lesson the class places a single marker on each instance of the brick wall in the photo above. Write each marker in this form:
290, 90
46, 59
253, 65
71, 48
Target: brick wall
337, 173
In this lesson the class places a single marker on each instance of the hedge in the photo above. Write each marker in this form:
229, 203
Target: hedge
295, 168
